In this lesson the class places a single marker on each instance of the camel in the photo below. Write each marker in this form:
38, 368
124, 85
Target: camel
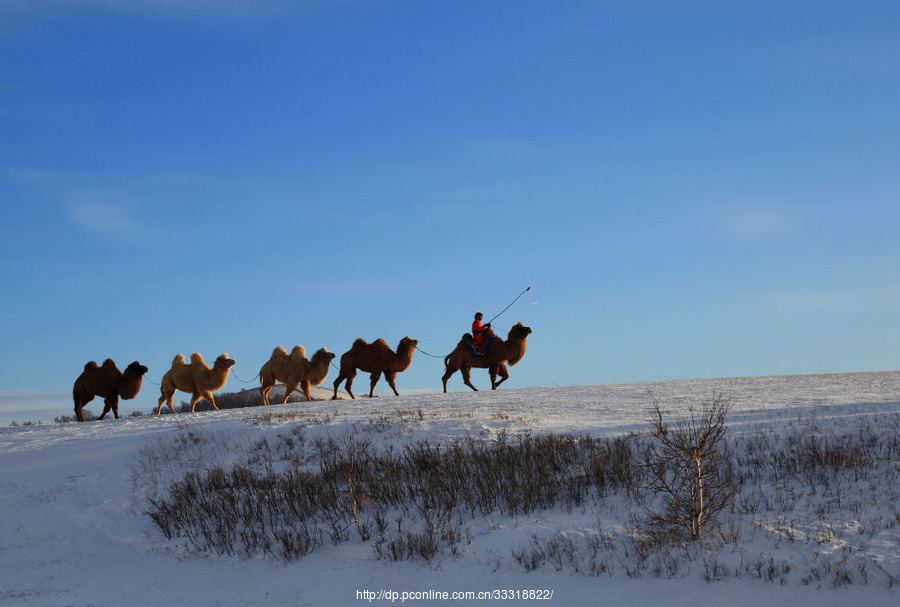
375, 358
497, 354
294, 369
194, 377
107, 381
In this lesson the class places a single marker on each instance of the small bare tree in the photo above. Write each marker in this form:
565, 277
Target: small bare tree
686, 467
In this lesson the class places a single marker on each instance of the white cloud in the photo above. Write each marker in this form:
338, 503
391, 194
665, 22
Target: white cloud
757, 221
100, 217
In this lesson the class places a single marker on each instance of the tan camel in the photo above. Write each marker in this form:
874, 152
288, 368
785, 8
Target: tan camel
496, 354
107, 381
294, 369
194, 377
375, 358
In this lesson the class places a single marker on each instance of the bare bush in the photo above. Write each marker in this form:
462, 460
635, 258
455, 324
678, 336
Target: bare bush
425, 487
687, 472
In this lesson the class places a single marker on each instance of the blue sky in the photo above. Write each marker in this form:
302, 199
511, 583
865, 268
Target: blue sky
691, 188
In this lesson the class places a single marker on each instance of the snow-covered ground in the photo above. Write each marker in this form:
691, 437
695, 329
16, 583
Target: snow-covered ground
75, 530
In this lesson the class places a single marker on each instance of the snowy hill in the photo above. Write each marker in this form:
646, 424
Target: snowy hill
76, 530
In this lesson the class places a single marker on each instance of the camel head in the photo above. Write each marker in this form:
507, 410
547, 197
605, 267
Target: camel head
407, 344
224, 361
136, 368
323, 354
519, 331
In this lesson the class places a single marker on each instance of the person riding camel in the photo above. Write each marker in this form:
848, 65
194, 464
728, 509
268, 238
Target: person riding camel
478, 331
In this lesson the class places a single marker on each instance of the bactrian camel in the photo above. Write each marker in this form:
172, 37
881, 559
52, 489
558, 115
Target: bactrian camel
375, 358
496, 354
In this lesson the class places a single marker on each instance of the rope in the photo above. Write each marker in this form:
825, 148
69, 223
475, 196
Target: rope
241, 380
427, 354
151, 381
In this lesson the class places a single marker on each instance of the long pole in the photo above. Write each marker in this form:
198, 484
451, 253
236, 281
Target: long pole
510, 304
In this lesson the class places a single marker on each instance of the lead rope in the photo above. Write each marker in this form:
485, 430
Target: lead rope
241, 380
427, 354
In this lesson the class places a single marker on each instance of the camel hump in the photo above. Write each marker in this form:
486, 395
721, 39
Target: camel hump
178, 360
359, 342
109, 363
91, 365
197, 358
298, 352
380, 341
278, 351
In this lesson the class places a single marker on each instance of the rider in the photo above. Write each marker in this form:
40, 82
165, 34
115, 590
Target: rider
478, 330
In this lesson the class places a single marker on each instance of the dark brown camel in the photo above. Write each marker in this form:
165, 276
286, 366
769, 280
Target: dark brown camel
107, 381
496, 354
375, 358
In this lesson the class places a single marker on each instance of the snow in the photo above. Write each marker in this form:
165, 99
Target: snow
74, 529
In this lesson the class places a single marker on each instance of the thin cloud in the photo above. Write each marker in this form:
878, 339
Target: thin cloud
833, 302
185, 9
757, 221
19, 398
100, 217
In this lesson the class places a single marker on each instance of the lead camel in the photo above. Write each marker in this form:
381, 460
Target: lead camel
497, 354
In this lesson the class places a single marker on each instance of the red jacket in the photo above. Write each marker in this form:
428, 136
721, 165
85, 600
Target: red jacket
477, 332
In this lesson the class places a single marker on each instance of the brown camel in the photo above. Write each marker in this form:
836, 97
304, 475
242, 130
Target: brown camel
107, 381
496, 354
375, 358
294, 369
194, 377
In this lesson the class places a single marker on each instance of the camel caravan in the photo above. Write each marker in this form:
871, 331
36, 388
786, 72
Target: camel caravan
294, 370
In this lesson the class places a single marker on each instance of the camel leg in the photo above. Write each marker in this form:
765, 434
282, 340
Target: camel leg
167, 399
305, 385
447, 375
504, 375
80, 403
372, 381
289, 387
207, 396
466, 372
110, 403
349, 375
264, 392
390, 376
